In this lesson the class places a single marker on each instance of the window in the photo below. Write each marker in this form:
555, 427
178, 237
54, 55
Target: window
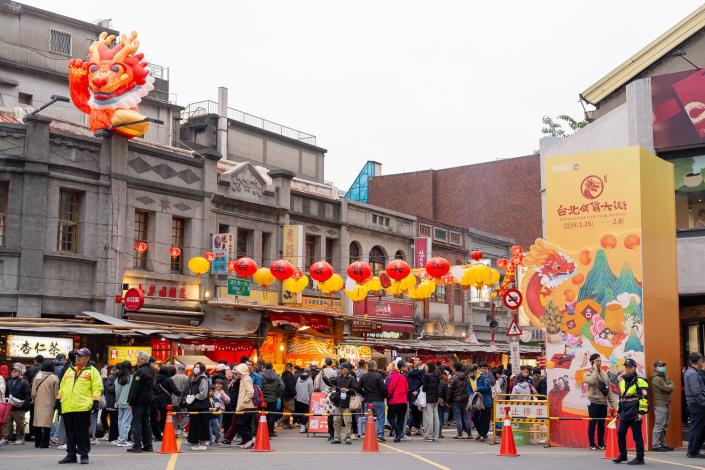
329, 250
386, 221
378, 260
266, 249
399, 255
60, 42
458, 294
440, 234
223, 228
3, 210
354, 252
243, 242
310, 250
440, 295
454, 238
177, 240
690, 193
374, 218
141, 235
69, 213
424, 230
24, 98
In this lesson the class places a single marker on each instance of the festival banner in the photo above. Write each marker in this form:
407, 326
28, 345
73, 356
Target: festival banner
604, 280
319, 405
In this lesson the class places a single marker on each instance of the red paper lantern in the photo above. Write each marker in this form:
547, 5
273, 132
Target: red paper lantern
321, 271
174, 252
476, 254
517, 249
140, 247
502, 263
397, 269
245, 267
298, 274
209, 255
359, 271
282, 269
437, 267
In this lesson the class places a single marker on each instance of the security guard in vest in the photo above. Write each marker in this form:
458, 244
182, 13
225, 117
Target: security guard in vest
633, 406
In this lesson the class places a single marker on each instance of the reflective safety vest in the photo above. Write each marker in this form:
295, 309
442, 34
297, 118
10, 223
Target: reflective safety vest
633, 400
78, 390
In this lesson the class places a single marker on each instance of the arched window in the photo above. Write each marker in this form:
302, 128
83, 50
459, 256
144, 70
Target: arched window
354, 252
399, 255
378, 259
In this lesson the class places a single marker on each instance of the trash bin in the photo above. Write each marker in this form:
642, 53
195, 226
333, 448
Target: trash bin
522, 436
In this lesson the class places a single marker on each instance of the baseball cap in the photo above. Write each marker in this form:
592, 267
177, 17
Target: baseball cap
220, 367
630, 363
659, 364
83, 352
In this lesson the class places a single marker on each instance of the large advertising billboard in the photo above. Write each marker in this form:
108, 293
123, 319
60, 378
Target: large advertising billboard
604, 280
678, 105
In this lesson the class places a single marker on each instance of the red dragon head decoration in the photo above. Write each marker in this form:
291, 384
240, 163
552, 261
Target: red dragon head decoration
111, 83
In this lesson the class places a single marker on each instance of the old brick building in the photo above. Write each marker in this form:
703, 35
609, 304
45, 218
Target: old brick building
500, 197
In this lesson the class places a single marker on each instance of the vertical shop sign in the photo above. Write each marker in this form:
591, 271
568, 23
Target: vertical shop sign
422, 251
293, 245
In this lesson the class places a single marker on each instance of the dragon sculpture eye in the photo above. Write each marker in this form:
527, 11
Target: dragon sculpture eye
93, 68
116, 68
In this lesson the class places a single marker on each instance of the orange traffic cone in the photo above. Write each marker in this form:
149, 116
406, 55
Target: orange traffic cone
262, 441
169, 445
370, 443
611, 446
507, 447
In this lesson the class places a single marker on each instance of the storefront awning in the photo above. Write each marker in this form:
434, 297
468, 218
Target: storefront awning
298, 320
449, 346
240, 322
399, 327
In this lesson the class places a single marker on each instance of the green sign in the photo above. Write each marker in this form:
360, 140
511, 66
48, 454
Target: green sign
237, 286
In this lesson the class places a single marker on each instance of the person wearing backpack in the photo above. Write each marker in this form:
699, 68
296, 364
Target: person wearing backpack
483, 394
272, 391
599, 397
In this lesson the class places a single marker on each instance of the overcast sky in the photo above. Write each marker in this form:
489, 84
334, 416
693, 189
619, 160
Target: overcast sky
413, 85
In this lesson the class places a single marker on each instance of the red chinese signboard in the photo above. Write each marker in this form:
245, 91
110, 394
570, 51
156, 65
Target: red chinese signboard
296, 320
134, 300
422, 251
384, 310
678, 109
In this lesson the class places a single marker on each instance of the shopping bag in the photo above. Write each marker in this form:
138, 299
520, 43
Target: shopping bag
421, 399
5, 409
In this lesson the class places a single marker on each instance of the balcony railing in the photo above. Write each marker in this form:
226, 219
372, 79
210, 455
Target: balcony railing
202, 108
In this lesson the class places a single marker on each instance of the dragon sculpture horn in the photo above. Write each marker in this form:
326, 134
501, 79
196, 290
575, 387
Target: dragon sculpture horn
103, 40
130, 44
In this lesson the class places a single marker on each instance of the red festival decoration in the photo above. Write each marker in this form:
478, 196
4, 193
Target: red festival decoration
437, 267
359, 271
174, 252
321, 271
134, 299
476, 254
245, 267
209, 255
282, 269
140, 247
397, 269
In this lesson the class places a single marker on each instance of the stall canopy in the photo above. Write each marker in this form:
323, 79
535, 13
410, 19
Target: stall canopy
189, 361
440, 345
242, 322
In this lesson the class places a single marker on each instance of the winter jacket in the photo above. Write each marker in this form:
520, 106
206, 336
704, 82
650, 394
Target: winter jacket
304, 389
397, 388
142, 388
415, 379
109, 389
164, 389
289, 384
121, 393
372, 387
594, 395
245, 393
79, 389
32, 372
272, 386
458, 389
442, 391
662, 387
44, 390
199, 389
219, 375
633, 397
19, 388
694, 387
348, 382
322, 381
220, 400
483, 385
431, 385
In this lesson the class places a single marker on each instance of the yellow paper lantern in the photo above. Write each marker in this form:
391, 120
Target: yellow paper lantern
408, 282
332, 285
296, 286
358, 293
263, 277
395, 288
373, 284
494, 278
198, 265
468, 278
426, 289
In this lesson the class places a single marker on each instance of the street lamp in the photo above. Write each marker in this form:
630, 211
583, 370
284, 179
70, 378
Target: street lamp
52, 100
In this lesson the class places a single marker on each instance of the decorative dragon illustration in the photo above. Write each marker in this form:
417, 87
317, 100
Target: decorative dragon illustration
110, 85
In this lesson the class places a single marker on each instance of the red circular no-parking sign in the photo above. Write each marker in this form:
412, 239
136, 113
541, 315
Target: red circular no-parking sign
512, 299
134, 299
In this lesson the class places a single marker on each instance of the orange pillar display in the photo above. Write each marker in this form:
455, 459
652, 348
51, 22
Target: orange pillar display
604, 279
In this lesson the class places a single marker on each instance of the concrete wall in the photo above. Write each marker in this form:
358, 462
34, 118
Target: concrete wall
691, 270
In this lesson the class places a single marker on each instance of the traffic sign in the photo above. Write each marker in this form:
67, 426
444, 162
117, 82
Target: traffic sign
512, 299
514, 329
239, 287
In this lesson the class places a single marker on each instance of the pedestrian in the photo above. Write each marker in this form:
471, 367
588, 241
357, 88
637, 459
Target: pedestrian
695, 399
345, 387
140, 399
633, 406
289, 398
181, 380
663, 388
431, 387
198, 403
599, 397
18, 394
44, 390
59, 364
3, 386
415, 376
30, 374
524, 376
109, 416
273, 391
164, 392
230, 431
500, 383
397, 400
80, 391
219, 400
374, 392
123, 383
443, 408
458, 399
302, 401
246, 392
230, 406
219, 372
523, 388
323, 383
361, 369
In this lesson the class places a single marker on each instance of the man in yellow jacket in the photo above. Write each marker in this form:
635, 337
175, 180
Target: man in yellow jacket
633, 406
79, 392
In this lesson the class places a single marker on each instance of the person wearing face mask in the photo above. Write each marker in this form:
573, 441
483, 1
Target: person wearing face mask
304, 390
197, 400
140, 400
663, 387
